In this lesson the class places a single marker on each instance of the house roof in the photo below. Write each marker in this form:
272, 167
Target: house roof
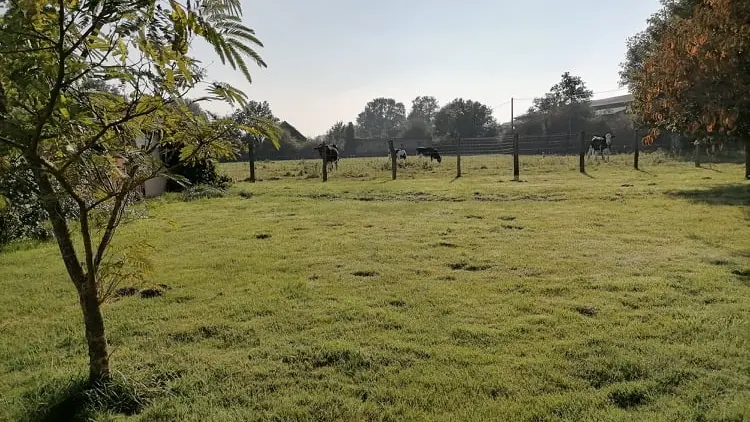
612, 101
293, 131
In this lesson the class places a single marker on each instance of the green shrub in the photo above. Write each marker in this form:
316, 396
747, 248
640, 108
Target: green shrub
202, 172
22, 216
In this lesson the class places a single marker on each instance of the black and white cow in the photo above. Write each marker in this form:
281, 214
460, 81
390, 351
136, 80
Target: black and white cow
600, 145
332, 154
400, 154
429, 152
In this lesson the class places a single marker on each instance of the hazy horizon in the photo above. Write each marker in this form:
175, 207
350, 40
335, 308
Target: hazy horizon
327, 60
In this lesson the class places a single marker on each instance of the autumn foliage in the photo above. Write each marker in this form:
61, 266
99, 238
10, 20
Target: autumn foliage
697, 82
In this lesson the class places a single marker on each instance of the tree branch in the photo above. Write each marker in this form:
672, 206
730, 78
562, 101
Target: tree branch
109, 231
103, 131
12, 143
55, 94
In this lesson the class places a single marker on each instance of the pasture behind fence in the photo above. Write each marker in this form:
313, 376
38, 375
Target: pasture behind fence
512, 146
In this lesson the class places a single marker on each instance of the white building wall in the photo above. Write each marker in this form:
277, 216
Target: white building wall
158, 185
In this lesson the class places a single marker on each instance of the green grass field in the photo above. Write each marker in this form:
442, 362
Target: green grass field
623, 295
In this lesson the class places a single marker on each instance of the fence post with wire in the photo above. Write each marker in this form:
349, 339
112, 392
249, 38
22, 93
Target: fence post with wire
516, 151
636, 149
458, 157
582, 154
324, 155
392, 152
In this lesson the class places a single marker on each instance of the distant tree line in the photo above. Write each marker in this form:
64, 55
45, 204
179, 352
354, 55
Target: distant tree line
564, 109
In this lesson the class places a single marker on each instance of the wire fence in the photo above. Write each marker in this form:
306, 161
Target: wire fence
506, 146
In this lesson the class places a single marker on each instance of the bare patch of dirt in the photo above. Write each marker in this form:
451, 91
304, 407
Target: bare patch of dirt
126, 291
469, 267
588, 311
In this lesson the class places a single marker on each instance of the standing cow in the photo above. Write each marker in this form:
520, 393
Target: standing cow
331, 154
601, 145
429, 152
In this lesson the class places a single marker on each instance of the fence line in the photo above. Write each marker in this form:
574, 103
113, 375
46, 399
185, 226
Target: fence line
513, 145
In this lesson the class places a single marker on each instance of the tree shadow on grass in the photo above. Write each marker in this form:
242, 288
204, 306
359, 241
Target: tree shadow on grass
77, 400
735, 194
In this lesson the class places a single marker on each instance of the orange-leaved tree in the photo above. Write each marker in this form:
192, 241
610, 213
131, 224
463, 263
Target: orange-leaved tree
697, 82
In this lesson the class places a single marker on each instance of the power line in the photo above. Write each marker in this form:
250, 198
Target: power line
593, 94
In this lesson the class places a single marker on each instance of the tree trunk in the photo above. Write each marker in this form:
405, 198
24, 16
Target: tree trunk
85, 284
95, 336
251, 159
747, 157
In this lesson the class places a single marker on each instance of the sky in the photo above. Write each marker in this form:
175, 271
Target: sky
328, 58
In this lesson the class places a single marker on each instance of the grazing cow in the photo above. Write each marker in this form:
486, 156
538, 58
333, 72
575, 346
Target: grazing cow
332, 155
601, 145
401, 154
429, 152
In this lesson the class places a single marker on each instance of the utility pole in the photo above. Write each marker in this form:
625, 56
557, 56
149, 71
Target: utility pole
512, 124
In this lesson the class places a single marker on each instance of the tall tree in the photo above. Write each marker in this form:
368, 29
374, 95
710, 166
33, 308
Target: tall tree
337, 135
697, 81
421, 118
97, 148
424, 108
566, 101
381, 117
259, 124
642, 44
465, 119
350, 132
570, 90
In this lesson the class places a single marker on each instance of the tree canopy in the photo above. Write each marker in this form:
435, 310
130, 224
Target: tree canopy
421, 119
465, 119
696, 81
644, 43
570, 90
381, 117
336, 134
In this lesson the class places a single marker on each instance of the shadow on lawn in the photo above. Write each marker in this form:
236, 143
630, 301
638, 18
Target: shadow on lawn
735, 194
78, 400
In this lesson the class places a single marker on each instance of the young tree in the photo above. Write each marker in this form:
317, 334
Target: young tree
465, 119
697, 80
381, 117
95, 147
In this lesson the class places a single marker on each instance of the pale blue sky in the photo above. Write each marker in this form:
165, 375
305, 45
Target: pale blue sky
328, 58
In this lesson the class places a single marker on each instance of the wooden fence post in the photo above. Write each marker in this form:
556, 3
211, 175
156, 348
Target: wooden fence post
582, 155
516, 169
393, 158
251, 159
636, 146
458, 158
325, 163
697, 153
